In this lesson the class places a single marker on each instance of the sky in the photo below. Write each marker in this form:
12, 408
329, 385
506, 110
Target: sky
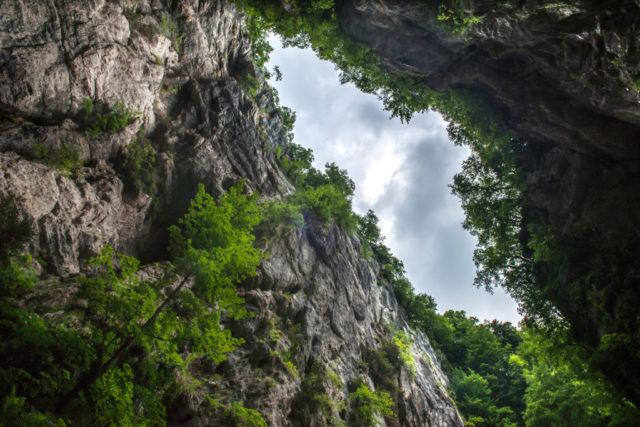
401, 171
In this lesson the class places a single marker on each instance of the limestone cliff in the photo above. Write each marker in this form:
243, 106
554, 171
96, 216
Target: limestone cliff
184, 67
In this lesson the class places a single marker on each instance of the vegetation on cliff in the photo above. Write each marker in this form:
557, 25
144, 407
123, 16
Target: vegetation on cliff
121, 343
116, 346
543, 268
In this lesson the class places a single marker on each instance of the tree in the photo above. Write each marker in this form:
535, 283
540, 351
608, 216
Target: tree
114, 351
562, 390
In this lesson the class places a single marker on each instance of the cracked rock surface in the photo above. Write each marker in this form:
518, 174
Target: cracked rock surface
316, 293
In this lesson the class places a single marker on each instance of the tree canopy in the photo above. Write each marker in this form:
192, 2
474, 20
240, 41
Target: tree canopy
119, 346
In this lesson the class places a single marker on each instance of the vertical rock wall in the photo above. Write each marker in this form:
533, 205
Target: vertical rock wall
185, 70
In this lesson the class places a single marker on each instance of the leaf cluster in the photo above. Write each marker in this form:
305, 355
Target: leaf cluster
65, 158
114, 348
327, 195
139, 165
112, 119
367, 405
315, 394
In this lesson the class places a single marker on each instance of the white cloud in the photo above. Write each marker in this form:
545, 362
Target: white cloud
400, 170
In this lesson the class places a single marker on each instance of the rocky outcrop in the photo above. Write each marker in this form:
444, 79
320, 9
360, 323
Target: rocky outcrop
184, 68
566, 77
320, 297
193, 106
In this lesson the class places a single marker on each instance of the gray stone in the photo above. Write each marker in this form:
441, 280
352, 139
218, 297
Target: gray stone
315, 296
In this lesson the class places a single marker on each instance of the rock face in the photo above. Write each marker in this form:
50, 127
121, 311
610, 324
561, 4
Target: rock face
323, 298
186, 71
566, 77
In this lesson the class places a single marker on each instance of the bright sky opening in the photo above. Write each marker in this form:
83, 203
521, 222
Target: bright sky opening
402, 172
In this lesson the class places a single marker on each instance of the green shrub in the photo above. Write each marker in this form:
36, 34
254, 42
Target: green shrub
367, 405
114, 119
170, 88
244, 417
251, 85
453, 18
285, 359
113, 350
170, 29
403, 346
14, 231
66, 159
328, 204
14, 411
326, 194
281, 213
139, 165
258, 29
383, 366
386, 363
288, 121
314, 391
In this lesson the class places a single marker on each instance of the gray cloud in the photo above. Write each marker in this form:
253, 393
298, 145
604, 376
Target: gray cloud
401, 171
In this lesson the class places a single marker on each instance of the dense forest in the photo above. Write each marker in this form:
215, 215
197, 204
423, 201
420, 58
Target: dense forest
121, 342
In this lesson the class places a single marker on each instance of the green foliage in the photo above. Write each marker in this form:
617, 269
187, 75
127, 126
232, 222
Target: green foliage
277, 73
236, 414
281, 213
139, 165
473, 396
258, 29
113, 119
403, 345
326, 194
486, 386
394, 355
173, 89
368, 228
114, 391
288, 118
148, 30
15, 412
112, 349
285, 360
214, 243
384, 366
454, 19
14, 231
367, 405
251, 85
170, 28
327, 203
386, 363
296, 161
391, 268
561, 390
554, 5
244, 417
65, 158
314, 395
